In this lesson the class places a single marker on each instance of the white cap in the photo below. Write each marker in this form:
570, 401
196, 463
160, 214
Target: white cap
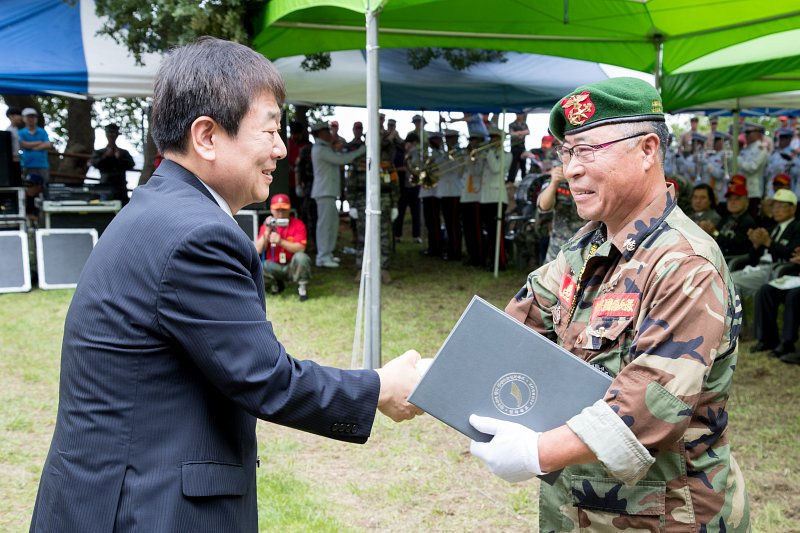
29, 111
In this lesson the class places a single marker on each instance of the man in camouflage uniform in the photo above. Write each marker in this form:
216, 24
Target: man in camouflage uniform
357, 191
644, 294
556, 200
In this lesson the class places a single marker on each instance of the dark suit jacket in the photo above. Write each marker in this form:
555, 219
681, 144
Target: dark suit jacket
167, 360
782, 249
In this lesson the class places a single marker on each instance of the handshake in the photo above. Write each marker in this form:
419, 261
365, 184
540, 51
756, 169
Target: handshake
398, 378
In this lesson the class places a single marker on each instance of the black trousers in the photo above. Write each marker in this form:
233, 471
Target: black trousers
409, 198
473, 233
517, 163
489, 221
767, 300
452, 226
431, 210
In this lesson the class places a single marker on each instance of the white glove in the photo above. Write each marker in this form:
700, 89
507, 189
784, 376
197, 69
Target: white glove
354, 213
513, 453
394, 212
423, 365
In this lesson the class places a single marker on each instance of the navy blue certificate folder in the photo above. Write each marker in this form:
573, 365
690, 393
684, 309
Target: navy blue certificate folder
493, 365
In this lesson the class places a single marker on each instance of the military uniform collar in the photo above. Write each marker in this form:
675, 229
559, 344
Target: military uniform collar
630, 237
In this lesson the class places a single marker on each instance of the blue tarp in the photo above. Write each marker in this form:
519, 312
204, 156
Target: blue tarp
529, 82
51, 46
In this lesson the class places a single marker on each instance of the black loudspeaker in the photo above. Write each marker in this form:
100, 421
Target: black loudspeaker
15, 267
248, 221
9, 172
98, 221
61, 254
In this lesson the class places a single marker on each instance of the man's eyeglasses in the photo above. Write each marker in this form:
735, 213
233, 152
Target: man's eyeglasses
585, 152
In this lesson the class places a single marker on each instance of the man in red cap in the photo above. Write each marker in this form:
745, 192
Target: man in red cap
731, 234
282, 243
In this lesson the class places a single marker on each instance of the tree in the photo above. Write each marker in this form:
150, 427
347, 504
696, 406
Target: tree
164, 24
169, 23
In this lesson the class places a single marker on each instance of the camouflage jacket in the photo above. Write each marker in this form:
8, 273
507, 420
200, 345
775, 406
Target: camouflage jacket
654, 307
566, 220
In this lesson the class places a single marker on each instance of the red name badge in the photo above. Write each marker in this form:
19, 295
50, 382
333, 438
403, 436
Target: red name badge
567, 291
615, 305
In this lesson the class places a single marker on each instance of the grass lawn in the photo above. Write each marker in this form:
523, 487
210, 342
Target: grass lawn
416, 476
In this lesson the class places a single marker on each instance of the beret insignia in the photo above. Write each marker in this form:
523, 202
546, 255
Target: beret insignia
578, 108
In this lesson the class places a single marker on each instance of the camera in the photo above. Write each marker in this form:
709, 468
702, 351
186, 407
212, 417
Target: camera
278, 223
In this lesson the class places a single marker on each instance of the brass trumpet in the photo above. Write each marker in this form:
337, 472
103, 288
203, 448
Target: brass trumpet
420, 170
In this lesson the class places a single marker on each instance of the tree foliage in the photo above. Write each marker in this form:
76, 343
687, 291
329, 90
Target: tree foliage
153, 27
130, 114
458, 58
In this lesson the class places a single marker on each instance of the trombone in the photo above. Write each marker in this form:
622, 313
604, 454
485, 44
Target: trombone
483, 148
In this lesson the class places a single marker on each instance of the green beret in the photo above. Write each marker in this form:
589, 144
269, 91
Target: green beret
610, 101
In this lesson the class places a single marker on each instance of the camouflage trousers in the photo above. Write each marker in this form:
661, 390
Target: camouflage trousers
359, 203
298, 269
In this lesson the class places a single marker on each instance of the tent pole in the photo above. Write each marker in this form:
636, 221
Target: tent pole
498, 234
372, 324
735, 140
658, 42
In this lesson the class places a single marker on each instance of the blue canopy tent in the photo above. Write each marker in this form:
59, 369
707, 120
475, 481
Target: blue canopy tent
52, 47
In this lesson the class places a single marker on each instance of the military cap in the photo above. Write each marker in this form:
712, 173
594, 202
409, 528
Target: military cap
418, 117
111, 128
451, 133
784, 132
721, 135
752, 126
391, 122
434, 135
611, 101
698, 137
319, 126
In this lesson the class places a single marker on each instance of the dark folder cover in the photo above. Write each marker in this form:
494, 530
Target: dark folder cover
493, 365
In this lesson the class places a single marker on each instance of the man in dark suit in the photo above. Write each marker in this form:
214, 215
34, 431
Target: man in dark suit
167, 357
770, 246
767, 301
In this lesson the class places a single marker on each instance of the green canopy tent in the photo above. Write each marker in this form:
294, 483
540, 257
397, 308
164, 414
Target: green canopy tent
656, 36
628, 33
761, 66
